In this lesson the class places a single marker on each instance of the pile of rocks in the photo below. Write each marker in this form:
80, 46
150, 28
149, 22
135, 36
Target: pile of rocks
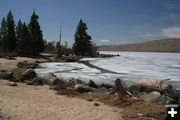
146, 90
155, 91
56, 83
30, 78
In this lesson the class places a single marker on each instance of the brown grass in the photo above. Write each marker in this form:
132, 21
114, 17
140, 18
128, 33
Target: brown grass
133, 109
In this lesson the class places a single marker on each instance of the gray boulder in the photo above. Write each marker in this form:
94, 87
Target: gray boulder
6, 75
83, 88
91, 83
74, 82
167, 100
38, 81
27, 75
35, 81
54, 82
60, 83
49, 78
134, 89
108, 86
174, 94
101, 90
151, 97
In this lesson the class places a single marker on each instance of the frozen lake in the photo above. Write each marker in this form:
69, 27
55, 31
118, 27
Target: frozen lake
130, 66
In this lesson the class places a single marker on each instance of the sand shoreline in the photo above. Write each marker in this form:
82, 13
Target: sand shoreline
38, 102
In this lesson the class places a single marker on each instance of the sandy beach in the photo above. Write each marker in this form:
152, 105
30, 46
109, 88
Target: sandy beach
39, 103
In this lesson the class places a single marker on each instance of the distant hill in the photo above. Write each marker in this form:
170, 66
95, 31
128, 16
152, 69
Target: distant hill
162, 45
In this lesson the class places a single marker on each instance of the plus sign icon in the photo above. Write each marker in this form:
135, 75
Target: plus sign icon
172, 112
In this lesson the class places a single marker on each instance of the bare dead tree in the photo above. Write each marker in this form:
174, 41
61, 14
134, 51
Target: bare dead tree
59, 49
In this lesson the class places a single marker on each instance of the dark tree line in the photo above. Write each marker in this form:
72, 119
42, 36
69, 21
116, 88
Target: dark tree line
24, 39
27, 39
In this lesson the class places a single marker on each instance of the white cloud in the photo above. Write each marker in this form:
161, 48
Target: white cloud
172, 32
105, 41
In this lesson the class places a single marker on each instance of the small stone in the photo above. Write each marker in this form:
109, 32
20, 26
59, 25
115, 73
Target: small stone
96, 104
140, 114
91, 83
12, 84
89, 99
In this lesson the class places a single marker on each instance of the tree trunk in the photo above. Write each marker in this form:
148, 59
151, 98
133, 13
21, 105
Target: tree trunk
120, 89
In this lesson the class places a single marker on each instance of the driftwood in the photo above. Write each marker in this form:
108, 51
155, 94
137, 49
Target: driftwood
120, 89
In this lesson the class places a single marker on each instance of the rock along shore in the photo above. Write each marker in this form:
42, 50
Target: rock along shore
152, 92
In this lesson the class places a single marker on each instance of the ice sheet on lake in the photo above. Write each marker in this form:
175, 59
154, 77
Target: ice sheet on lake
74, 70
143, 64
134, 65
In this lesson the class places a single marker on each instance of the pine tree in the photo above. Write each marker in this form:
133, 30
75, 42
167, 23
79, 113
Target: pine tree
36, 34
3, 33
19, 31
0, 37
25, 46
82, 45
10, 42
0, 42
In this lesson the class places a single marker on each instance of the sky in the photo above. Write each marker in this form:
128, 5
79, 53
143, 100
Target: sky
109, 21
